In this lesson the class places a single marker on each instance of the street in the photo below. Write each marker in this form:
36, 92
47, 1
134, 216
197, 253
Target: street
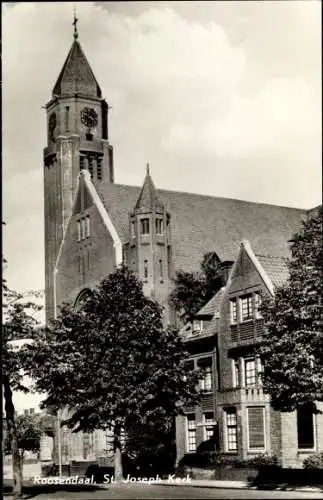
161, 491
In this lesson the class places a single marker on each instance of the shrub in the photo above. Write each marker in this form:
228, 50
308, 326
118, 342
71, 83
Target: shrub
314, 461
263, 460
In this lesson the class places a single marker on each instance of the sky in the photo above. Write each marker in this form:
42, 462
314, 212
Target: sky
221, 98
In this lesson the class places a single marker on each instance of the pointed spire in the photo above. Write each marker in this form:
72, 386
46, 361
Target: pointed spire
76, 76
148, 200
75, 21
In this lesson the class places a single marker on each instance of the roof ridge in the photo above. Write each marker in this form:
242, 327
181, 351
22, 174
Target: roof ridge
159, 190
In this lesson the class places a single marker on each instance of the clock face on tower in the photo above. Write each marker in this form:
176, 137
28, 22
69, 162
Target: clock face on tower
89, 117
52, 126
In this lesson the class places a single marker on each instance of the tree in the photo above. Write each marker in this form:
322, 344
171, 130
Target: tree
19, 324
28, 436
112, 362
292, 351
193, 290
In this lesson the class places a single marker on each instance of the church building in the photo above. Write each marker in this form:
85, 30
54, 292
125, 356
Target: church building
93, 224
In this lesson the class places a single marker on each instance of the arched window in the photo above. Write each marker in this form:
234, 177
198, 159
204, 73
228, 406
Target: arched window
81, 299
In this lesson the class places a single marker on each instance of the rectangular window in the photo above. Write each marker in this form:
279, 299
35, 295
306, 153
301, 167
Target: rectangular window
256, 428
208, 422
233, 311
144, 226
236, 375
191, 433
305, 429
246, 307
258, 303
99, 168
206, 382
78, 226
159, 226
231, 429
250, 372
87, 227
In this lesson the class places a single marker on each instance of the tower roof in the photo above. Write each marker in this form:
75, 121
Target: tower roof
76, 75
148, 200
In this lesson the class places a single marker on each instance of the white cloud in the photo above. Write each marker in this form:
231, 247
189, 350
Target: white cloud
211, 101
275, 121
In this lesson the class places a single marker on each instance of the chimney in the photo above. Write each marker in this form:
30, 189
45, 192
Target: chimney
225, 266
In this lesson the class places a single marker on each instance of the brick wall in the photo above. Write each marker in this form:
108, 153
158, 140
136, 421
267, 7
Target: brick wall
83, 264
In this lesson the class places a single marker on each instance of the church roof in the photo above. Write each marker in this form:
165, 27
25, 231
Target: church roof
148, 200
200, 224
76, 75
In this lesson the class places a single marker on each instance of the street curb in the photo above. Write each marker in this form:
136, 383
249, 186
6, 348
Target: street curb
254, 488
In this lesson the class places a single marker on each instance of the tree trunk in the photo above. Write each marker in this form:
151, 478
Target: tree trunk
118, 470
12, 432
21, 470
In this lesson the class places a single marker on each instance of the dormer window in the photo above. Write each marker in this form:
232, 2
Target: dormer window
159, 226
144, 226
197, 326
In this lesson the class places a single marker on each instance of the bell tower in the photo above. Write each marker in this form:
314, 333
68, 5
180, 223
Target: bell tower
77, 138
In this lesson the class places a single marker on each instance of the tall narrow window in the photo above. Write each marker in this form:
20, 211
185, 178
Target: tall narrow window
82, 229
133, 229
90, 163
231, 429
78, 227
256, 428
305, 429
161, 269
236, 375
144, 226
87, 227
86, 446
159, 226
124, 256
82, 162
246, 307
67, 116
99, 168
208, 423
233, 311
191, 433
258, 303
145, 269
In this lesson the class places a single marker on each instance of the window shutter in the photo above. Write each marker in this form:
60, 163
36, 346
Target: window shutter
256, 428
